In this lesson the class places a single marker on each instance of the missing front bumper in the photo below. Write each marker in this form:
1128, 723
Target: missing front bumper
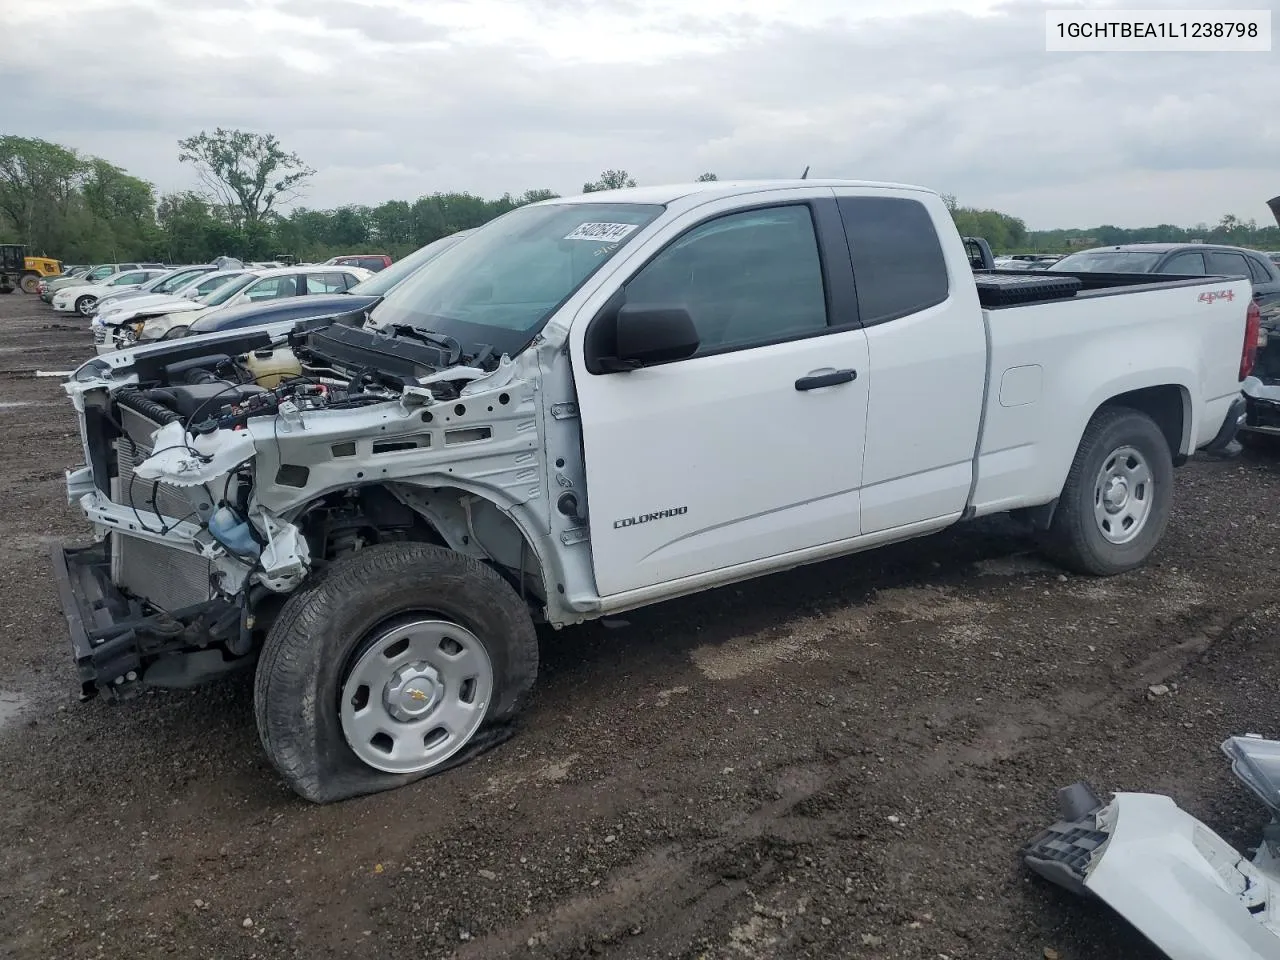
120, 643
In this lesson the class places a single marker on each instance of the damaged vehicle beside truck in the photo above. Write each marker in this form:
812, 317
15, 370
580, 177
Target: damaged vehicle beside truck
590, 405
1261, 422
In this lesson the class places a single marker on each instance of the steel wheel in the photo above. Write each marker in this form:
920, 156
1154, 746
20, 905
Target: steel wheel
1122, 495
415, 696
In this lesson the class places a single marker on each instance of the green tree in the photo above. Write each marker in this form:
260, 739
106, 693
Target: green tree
248, 174
610, 180
39, 184
707, 177
123, 208
534, 196
190, 233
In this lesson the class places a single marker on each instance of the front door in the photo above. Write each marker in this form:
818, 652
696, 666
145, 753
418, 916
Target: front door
752, 447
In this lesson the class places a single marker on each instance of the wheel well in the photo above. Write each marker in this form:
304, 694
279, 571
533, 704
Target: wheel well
446, 516
1166, 405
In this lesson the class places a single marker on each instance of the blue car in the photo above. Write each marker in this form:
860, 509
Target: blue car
313, 306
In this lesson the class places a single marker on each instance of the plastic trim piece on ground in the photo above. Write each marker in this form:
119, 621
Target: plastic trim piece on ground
1187, 890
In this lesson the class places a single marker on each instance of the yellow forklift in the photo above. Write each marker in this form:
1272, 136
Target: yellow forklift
17, 270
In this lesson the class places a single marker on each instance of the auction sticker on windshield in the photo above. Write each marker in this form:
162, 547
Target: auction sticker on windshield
601, 232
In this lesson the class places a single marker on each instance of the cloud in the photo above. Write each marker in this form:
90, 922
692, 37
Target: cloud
391, 99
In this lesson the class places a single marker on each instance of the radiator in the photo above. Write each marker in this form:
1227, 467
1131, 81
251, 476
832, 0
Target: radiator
165, 576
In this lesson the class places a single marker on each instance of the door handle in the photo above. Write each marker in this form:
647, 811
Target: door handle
815, 380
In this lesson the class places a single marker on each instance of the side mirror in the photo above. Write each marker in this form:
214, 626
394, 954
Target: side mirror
649, 334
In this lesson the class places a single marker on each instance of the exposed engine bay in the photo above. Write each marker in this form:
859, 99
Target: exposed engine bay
220, 476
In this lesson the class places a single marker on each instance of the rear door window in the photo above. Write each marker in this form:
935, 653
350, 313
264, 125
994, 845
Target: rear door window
1185, 265
272, 288
898, 265
1221, 263
326, 282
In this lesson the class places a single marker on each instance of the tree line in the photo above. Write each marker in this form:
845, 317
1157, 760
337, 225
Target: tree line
84, 209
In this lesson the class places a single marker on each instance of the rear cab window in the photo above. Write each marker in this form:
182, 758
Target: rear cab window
898, 264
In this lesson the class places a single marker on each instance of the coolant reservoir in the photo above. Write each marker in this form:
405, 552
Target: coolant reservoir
269, 367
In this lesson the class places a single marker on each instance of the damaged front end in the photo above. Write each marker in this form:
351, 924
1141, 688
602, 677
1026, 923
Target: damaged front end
220, 473
1181, 885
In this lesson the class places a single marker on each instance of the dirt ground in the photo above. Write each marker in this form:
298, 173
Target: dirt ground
841, 761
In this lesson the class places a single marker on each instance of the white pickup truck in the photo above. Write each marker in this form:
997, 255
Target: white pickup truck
595, 403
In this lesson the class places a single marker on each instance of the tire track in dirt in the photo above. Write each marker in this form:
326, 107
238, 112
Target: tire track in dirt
691, 881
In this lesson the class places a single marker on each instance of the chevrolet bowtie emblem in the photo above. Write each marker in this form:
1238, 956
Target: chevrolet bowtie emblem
417, 695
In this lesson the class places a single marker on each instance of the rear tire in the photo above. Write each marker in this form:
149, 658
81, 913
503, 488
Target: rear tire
30, 282
1115, 504
325, 647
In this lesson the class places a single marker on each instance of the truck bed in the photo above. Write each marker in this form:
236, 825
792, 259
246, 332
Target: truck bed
1053, 362
1002, 289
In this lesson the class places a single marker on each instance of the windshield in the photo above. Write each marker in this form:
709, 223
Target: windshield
229, 290
384, 280
1108, 261
512, 274
155, 283
204, 284
173, 281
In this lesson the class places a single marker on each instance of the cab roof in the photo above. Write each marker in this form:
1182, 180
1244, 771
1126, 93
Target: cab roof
712, 189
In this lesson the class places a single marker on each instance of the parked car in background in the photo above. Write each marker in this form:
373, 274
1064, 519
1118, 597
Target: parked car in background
1262, 390
195, 295
83, 298
92, 275
362, 297
1186, 260
68, 272
254, 286
166, 283
366, 261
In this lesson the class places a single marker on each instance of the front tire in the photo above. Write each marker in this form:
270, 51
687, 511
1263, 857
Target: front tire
1116, 502
367, 665
30, 282
84, 305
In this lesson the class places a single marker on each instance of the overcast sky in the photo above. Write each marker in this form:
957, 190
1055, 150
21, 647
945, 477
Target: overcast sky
391, 99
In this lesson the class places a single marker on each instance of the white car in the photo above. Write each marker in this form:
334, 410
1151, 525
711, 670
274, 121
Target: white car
253, 286
82, 299
168, 283
194, 295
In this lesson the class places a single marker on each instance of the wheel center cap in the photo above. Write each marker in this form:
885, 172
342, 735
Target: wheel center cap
413, 691
1116, 494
